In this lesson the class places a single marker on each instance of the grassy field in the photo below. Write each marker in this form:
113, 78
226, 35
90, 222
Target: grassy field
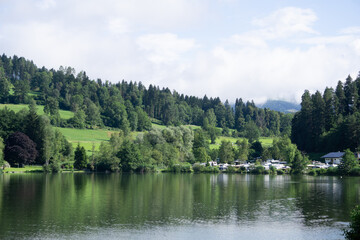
89, 138
265, 141
40, 110
86, 137
24, 169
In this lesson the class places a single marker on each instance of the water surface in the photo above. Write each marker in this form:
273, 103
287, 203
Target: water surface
175, 206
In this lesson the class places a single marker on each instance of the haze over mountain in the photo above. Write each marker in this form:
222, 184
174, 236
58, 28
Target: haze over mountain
281, 106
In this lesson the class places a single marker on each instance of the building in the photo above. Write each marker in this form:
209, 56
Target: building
333, 157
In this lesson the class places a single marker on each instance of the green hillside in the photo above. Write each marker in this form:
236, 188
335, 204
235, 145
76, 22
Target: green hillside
40, 110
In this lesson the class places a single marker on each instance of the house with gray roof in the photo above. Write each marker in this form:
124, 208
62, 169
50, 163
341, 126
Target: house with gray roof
333, 157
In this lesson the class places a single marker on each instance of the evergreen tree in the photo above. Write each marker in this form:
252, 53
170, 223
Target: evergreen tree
80, 158
4, 86
341, 99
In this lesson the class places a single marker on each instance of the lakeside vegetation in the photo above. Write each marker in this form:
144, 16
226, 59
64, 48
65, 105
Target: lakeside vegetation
65, 121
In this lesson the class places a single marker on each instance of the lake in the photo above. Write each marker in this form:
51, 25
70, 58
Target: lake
175, 206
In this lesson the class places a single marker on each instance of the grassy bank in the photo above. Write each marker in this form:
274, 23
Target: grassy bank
40, 110
26, 169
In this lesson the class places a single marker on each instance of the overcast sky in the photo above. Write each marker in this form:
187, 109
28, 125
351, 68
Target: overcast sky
228, 48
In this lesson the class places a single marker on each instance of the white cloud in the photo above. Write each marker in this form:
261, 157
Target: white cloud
145, 41
286, 22
351, 30
118, 26
164, 48
46, 4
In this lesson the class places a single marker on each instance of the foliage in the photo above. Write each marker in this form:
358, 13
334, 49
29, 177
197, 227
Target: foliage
127, 105
348, 162
299, 163
258, 170
354, 229
80, 158
226, 152
20, 149
355, 171
256, 150
231, 169
272, 169
179, 168
329, 121
197, 168
2, 146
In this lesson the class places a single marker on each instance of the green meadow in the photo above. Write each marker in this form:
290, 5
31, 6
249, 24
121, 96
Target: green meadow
86, 137
265, 141
40, 110
30, 168
89, 138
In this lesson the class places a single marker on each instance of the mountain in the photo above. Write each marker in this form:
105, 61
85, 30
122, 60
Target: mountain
281, 106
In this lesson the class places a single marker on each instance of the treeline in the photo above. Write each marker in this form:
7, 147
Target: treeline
27, 138
129, 106
329, 121
178, 148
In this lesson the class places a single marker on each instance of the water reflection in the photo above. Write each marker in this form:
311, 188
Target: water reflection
81, 205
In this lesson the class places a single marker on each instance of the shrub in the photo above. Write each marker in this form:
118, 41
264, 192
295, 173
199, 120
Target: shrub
279, 172
68, 166
332, 171
178, 168
211, 170
146, 168
355, 171
258, 170
198, 168
243, 169
272, 169
322, 171
312, 172
47, 168
354, 229
231, 169
266, 171
55, 167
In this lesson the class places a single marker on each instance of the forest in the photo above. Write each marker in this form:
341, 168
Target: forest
130, 107
329, 121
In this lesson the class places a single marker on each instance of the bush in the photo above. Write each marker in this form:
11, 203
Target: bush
354, 229
332, 171
211, 170
47, 168
355, 171
198, 168
312, 172
321, 171
55, 167
258, 170
266, 171
231, 169
52, 167
5, 164
280, 172
68, 166
272, 169
146, 168
178, 168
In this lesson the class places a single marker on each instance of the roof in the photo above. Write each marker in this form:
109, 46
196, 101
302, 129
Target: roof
334, 155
